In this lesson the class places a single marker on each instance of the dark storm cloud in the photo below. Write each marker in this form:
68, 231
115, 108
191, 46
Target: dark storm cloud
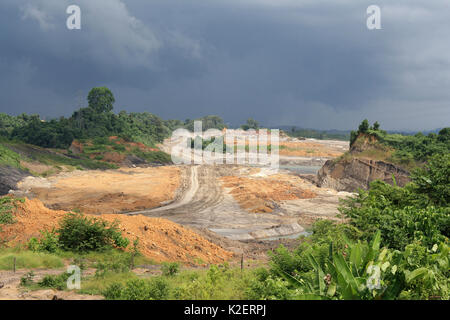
284, 62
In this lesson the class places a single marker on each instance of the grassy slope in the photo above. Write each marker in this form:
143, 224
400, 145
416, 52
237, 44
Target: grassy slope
369, 147
96, 149
12, 153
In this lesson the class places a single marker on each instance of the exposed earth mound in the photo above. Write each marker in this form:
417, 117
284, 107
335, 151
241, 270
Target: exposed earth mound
160, 239
109, 191
367, 160
312, 148
349, 175
259, 195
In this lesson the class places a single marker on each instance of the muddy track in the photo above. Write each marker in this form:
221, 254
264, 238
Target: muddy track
202, 192
204, 204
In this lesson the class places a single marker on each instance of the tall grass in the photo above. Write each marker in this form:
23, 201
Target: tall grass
28, 260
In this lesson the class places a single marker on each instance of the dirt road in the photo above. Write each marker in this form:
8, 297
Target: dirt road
207, 204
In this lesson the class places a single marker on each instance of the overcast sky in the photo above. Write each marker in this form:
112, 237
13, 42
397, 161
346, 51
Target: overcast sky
309, 63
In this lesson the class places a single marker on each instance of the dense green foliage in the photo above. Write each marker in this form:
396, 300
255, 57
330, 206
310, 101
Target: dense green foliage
58, 282
433, 180
101, 99
9, 123
96, 120
408, 148
80, 233
394, 246
217, 283
138, 289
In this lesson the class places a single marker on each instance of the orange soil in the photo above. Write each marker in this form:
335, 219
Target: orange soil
112, 191
262, 194
159, 239
307, 149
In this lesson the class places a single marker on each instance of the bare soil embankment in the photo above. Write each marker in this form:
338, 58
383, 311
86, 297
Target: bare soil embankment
366, 161
160, 239
237, 202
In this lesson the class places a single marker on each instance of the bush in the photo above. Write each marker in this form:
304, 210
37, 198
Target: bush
139, 289
48, 242
114, 291
170, 269
58, 282
401, 214
434, 179
27, 279
80, 234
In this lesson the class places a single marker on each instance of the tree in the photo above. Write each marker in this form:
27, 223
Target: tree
364, 126
353, 136
376, 126
444, 135
101, 99
251, 124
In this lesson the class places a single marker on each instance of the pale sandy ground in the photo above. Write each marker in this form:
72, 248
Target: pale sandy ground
110, 191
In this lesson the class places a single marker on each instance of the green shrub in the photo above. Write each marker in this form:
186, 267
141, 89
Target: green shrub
58, 282
434, 179
265, 286
158, 289
401, 214
170, 268
27, 279
139, 289
48, 242
80, 233
114, 291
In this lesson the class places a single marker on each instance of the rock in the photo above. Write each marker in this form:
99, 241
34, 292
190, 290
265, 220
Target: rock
351, 174
9, 177
133, 161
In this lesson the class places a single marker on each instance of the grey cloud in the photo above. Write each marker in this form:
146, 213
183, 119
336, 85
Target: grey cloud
284, 62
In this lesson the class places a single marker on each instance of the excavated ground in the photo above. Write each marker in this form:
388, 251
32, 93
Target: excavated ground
234, 201
312, 148
160, 239
110, 191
